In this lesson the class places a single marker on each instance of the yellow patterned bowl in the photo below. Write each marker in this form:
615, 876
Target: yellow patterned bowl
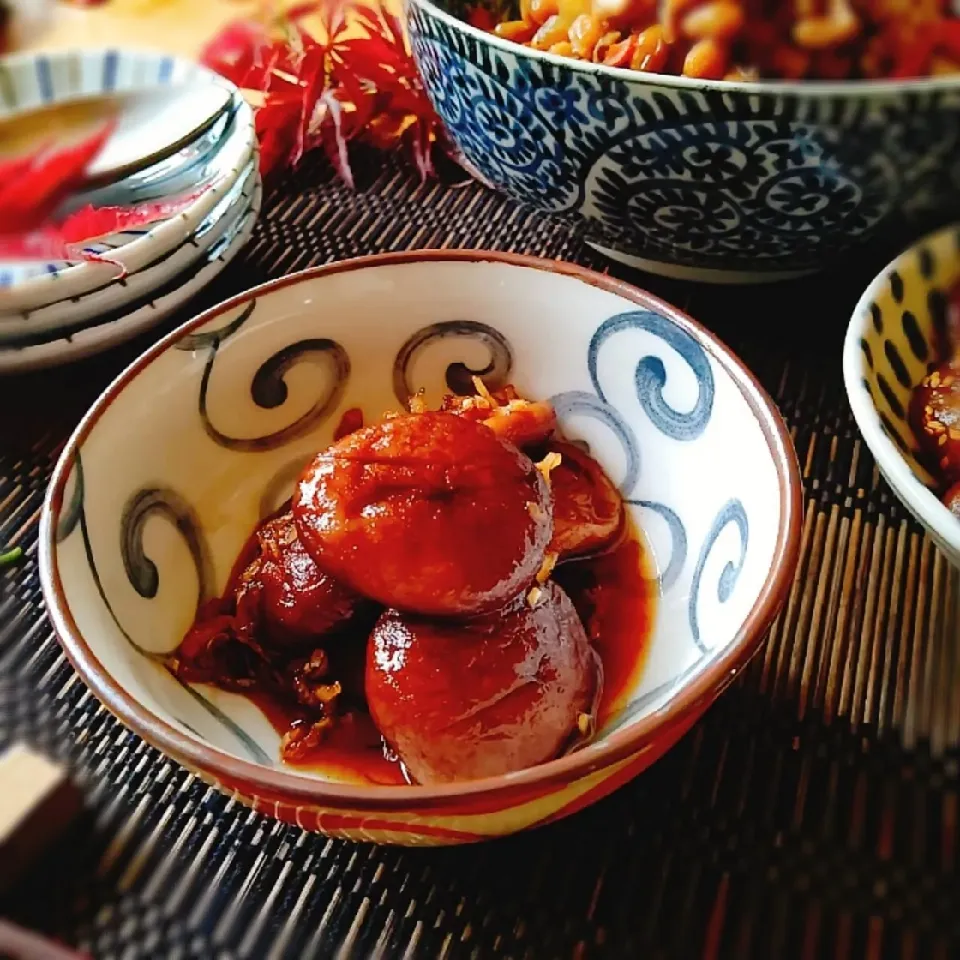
203, 435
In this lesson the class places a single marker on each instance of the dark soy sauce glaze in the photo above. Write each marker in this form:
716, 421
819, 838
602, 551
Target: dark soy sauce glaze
615, 595
614, 592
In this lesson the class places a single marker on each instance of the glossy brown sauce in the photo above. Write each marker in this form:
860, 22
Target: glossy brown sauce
353, 751
614, 593
316, 700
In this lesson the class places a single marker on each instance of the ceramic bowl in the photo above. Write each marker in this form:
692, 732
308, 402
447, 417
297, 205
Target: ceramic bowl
705, 180
203, 435
889, 348
216, 160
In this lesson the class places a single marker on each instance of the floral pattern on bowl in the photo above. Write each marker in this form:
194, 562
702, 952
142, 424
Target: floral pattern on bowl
205, 434
890, 346
706, 180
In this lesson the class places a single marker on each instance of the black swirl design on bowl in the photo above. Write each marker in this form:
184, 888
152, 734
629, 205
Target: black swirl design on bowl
269, 389
140, 569
458, 377
144, 576
211, 339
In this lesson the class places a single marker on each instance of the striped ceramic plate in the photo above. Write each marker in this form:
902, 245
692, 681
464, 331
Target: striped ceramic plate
67, 345
215, 160
115, 297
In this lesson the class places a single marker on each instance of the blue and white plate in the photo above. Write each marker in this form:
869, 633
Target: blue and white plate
71, 314
111, 329
215, 161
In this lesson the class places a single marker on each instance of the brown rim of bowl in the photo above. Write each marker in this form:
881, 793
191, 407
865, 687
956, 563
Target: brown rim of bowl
558, 772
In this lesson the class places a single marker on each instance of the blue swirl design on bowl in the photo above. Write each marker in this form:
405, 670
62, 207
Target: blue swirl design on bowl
269, 389
732, 512
678, 539
651, 375
580, 402
144, 577
758, 182
650, 378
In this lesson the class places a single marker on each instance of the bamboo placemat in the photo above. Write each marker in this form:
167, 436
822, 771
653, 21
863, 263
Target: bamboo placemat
812, 813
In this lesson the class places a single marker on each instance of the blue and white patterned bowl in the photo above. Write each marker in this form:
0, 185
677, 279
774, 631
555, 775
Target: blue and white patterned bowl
203, 435
707, 180
890, 346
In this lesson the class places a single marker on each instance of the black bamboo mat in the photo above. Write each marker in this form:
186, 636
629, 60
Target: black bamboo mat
813, 812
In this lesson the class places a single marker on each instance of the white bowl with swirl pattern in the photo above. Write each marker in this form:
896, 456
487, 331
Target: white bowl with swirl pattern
203, 435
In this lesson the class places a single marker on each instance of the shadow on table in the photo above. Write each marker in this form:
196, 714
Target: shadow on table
752, 814
757, 836
55, 885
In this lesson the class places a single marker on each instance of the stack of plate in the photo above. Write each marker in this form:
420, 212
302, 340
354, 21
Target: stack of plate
56, 312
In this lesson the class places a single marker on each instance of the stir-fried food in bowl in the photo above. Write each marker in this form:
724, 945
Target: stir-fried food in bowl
356, 589
745, 39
